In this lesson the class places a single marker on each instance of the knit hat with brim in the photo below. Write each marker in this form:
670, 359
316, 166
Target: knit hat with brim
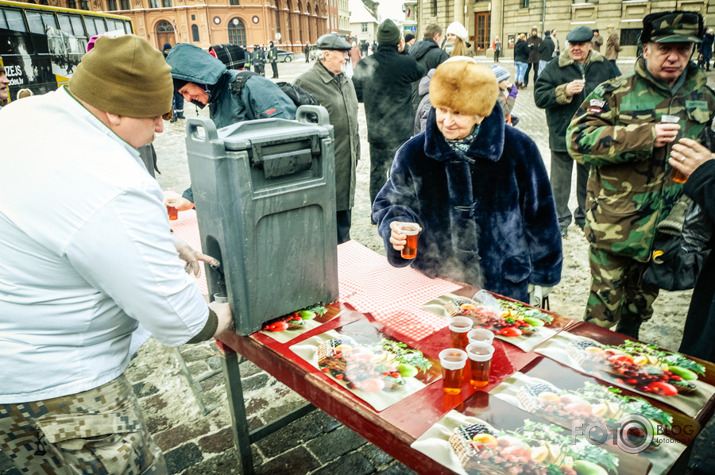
388, 33
464, 86
124, 76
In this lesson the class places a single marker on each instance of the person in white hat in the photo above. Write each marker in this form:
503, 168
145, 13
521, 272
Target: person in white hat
456, 40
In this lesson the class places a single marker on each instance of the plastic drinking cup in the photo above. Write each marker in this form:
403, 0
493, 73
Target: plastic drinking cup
480, 360
172, 212
453, 361
412, 232
480, 336
676, 175
220, 298
459, 327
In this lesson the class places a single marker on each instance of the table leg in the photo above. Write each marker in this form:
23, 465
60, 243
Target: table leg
234, 388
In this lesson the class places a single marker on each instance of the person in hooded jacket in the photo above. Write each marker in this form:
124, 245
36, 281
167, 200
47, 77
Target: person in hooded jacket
232, 95
383, 81
428, 55
477, 188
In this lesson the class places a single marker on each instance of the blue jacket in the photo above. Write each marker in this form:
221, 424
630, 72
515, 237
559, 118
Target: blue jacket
487, 220
260, 98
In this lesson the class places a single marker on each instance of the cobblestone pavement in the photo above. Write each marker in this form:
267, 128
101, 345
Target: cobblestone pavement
182, 390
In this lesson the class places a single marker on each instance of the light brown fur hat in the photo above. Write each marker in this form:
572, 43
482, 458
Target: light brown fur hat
464, 86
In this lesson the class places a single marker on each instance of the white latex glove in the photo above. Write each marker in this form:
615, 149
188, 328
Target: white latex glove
537, 294
192, 258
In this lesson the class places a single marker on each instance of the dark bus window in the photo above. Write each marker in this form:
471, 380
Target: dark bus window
3, 21
15, 21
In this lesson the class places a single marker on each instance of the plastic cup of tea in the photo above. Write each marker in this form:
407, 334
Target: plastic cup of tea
480, 361
412, 232
480, 336
675, 174
459, 327
453, 361
669, 119
172, 212
220, 298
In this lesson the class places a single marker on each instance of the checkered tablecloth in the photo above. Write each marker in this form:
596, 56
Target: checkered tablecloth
392, 295
367, 282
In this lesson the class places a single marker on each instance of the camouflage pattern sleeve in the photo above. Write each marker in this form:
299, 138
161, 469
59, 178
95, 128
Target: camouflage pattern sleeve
600, 134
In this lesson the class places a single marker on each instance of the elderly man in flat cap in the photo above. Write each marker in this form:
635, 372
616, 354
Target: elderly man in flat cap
560, 89
383, 81
87, 256
620, 132
328, 84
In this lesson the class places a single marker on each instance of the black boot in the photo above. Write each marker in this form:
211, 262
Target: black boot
629, 327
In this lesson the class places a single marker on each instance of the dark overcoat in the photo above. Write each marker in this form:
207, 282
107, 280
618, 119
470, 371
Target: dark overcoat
489, 216
337, 94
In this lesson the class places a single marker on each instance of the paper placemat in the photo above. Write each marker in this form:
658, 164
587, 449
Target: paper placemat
379, 400
662, 457
524, 342
435, 442
557, 349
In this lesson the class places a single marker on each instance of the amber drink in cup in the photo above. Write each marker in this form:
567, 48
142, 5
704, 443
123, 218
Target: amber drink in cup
458, 329
480, 361
675, 174
453, 361
412, 232
480, 336
173, 212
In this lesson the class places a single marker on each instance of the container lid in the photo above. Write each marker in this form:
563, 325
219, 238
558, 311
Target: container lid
243, 135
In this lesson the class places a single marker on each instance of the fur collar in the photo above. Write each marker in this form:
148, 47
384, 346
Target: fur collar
488, 144
593, 57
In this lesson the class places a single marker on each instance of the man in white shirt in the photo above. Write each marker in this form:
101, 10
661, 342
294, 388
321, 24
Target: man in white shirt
87, 256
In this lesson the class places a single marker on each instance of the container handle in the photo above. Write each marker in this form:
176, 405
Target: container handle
195, 123
309, 113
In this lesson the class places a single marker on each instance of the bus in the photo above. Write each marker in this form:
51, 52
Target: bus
40, 46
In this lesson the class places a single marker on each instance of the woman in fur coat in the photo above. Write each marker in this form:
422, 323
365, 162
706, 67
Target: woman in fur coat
477, 188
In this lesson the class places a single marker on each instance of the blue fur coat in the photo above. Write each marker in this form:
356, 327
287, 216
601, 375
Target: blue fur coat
488, 219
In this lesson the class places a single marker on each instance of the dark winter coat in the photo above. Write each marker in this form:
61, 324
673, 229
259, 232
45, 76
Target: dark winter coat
700, 324
550, 91
533, 43
521, 51
337, 94
546, 49
488, 219
706, 47
428, 55
383, 81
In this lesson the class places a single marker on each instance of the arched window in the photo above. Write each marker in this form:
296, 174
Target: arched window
278, 16
166, 3
236, 32
195, 33
164, 27
310, 33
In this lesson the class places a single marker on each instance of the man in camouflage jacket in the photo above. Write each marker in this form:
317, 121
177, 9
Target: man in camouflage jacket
618, 132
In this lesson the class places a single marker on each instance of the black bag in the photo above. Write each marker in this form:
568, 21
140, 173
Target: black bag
298, 95
681, 247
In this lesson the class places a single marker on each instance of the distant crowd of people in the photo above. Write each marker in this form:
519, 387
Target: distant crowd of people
87, 254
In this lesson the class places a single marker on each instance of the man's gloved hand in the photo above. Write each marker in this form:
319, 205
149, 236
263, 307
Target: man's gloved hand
514, 91
537, 294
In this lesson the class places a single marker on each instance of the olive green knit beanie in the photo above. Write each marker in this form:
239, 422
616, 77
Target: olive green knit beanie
124, 76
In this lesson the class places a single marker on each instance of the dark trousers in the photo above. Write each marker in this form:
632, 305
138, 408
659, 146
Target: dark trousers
561, 172
381, 157
496, 56
535, 67
274, 65
259, 68
178, 104
343, 219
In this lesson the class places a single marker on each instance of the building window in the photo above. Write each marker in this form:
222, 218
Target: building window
126, 5
153, 3
524, 3
193, 17
164, 27
112, 5
278, 17
629, 36
71, 4
166, 3
236, 32
434, 7
195, 33
364, 27
234, 2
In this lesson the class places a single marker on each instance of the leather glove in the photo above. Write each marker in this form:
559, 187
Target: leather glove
514, 91
537, 293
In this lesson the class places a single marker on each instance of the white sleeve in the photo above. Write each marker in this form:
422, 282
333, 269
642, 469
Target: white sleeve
126, 252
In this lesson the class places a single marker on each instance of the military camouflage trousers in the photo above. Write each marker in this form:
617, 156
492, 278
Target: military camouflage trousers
100, 431
618, 293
